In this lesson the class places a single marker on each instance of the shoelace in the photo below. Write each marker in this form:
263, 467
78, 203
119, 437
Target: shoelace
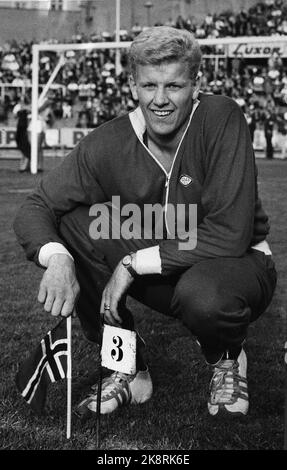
111, 385
225, 383
115, 386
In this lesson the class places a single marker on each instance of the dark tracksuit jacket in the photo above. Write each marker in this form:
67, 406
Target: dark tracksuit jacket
214, 168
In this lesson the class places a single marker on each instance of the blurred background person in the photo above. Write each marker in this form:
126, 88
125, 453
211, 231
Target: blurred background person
269, 122
84, 120
45, 121
22, 139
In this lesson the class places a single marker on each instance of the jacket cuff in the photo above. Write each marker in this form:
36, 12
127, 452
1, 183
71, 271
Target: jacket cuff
49, 249
148, 261
263, 246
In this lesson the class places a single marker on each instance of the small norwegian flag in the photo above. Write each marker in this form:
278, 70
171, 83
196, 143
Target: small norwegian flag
48, 363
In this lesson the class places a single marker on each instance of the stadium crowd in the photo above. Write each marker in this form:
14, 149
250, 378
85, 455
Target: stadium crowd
266, 18
88, 91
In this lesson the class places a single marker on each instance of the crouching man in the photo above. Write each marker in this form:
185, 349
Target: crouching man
178, 146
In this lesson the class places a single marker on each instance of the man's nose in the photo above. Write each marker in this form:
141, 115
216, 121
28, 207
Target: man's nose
160, 97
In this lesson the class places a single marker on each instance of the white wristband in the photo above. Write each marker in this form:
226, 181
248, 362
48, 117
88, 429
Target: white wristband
51, 248
148, 261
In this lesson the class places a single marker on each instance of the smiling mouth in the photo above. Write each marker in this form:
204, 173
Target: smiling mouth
161, 113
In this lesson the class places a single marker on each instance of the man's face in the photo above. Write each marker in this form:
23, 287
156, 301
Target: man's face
165, 93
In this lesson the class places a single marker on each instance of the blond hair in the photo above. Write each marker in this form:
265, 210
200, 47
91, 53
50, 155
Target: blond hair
160, 44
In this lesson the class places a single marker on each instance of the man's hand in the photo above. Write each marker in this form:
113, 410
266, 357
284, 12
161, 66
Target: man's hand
59, 287
118, 284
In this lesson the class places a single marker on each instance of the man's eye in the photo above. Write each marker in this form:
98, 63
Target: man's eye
149, 86
173, 86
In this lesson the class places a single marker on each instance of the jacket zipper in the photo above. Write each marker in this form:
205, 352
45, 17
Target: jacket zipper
166, 200
168, 174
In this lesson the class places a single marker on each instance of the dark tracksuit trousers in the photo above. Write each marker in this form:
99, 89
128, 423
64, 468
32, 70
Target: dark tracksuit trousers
215, 299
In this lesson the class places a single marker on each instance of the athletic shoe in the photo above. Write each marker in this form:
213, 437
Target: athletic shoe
228, 387
118, 390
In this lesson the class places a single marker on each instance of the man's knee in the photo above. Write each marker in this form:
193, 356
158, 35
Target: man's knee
197, 305
79, 224
75, 228
76, 220
208, 305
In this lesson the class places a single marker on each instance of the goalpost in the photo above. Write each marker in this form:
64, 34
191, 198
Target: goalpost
38, 100
258, 47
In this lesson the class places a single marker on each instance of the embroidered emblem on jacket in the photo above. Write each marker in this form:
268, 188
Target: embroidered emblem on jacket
185, 180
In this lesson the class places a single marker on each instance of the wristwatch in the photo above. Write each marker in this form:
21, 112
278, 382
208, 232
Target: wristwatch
127, 263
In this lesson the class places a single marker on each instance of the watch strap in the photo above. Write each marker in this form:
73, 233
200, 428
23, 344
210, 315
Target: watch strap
129, 267
131, 270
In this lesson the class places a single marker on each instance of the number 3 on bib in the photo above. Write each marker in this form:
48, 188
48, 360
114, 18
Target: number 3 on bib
119, 349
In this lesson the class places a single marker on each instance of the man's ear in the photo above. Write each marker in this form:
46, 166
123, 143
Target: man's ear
133, 87
197, 87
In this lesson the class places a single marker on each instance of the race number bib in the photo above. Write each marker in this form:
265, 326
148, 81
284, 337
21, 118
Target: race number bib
119, 349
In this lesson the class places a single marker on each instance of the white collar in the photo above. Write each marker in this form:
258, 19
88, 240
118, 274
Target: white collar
138, 121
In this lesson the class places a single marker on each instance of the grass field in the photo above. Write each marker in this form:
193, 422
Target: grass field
176, 417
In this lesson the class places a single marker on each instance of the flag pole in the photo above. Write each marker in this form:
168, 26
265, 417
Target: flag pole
285, 404
69, 376
99, 393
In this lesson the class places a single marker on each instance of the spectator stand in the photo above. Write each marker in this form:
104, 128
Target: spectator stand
218, 55
14, 93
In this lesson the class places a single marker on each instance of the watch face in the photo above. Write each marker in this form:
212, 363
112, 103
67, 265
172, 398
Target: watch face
127, 260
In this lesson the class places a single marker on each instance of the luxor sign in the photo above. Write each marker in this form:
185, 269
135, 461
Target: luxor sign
257, 49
